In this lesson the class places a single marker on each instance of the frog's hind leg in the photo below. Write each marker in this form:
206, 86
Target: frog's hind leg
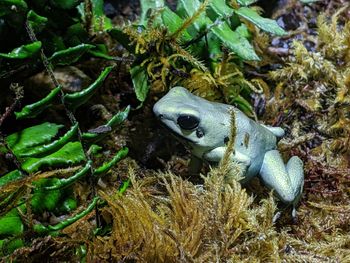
286, 180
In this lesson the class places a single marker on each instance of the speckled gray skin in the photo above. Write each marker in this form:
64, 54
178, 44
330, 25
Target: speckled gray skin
207, 128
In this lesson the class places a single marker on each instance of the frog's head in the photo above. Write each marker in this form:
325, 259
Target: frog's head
193, 119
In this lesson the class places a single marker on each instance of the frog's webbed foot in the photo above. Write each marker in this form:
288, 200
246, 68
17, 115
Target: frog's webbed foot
286, 180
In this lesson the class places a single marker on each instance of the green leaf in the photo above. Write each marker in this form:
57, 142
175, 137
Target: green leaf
24, 51
12, 6
235, 41
8, 246
147, 5
219, 8
112, 123
68, 205
125, 185
74, 100
70, 55
45, 200
190, 8
140, 81
243, 31
10, 177
70, 154
173, 22
23, 140
65, 182
265, 24
106, 166
53, 146
11, 224
243, 105
36, 22
41, 229
101, 22
246, 2
32, 110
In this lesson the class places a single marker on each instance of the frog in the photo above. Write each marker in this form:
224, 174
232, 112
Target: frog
204, 127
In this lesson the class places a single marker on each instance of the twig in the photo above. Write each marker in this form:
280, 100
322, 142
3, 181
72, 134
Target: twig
18, 90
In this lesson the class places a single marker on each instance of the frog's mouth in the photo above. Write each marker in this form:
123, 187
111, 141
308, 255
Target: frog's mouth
178, 136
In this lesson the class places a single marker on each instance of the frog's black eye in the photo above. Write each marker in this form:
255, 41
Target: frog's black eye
187, 122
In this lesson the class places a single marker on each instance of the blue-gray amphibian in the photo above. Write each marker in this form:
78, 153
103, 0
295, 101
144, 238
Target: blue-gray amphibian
204, 126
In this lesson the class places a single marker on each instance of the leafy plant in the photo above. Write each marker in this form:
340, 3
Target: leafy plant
59, 29
63, 28
201, 45
36, 149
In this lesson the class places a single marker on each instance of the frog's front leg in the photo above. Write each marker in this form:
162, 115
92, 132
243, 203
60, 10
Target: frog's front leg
286, 180
216, 155
195, 165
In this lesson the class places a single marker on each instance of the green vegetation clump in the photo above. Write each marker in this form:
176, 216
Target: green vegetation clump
201, 46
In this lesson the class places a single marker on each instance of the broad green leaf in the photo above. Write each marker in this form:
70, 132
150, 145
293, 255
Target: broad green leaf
8, 246
45, 200
235, 42
74, 100
243, 31
246, 2
11, 224
173, 22
36, 22
10, 177
53, 146
32, 110
22, 52
101, 22
265, 24
33, 136
219, 8
140, 81
190, 8
68, 205
70, 55
12, 6
147, 5
70, 154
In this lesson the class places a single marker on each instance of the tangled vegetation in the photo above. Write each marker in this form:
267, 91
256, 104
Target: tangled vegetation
66, 194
